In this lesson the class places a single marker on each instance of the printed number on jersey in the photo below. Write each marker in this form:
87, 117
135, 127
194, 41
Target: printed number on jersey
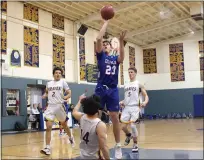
53, 94
110, 70
85, 137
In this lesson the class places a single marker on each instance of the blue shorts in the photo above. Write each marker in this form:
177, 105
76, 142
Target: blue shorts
109, 98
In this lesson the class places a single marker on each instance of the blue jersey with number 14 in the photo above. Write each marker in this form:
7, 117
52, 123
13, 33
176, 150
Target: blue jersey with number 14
108, 69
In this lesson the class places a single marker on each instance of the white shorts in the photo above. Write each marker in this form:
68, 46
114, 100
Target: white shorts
55, 111
130, 114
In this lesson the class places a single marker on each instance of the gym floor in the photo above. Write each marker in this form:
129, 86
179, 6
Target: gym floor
158, 139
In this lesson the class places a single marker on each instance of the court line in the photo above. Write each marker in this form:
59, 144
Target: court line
25, 156
22, 144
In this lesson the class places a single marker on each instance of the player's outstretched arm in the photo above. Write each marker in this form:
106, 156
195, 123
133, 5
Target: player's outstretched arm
144, 93
122, 52
67, 90
99, 38
45, 94
77, 115
68, 94
102, 139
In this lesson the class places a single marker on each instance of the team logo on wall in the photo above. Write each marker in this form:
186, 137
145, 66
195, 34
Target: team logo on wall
115, 44
15, 58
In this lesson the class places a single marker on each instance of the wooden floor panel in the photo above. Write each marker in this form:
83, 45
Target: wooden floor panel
154, 134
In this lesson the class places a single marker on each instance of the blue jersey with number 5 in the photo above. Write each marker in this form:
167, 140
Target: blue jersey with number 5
108, 69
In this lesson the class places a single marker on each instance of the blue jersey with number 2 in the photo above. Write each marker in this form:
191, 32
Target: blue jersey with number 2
108, 69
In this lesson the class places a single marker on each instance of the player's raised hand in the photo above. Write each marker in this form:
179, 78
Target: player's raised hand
122, 35
82, 97
105, 21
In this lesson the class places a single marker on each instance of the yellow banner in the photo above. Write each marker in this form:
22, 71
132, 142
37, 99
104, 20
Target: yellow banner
176, 62
3, 36
57, 21
95, 58
121, 74
4, 7
131, 56
31, 47
59, 52
201, 52
201, 46
30, 13
149, 61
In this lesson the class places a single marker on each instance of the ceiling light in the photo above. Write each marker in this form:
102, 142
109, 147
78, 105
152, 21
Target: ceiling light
192, 32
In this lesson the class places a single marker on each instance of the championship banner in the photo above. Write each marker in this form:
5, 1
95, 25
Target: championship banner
201, 52
59, 52
30, 13
3, 36
177, 62
149, 61
82, 58
131, 56
91, 73
95, 58
15, 58
57, 21
121, 74
4, 7
201, 46
31, 47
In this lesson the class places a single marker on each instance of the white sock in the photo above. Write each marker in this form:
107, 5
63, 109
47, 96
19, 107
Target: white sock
48, 146
118, 144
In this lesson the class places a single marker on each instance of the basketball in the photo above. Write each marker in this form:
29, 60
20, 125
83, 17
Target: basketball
107, 12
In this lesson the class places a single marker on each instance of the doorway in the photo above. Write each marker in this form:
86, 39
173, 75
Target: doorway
35, 105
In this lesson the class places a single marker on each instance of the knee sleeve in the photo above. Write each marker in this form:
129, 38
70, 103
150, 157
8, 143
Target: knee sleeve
134, 130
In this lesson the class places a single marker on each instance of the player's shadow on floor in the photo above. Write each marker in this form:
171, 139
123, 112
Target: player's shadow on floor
158, 154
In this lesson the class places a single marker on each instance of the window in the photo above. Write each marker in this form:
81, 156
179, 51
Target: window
12, 102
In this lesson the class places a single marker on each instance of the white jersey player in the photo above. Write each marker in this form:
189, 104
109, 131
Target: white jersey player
132, 107
55, 93
93, 130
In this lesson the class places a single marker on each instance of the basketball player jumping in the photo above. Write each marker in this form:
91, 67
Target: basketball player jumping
132, 107
106, 87
55, 93
93, 130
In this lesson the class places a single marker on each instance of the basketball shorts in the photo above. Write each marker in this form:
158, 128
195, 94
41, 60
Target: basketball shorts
55, 111
130, 114
109, 98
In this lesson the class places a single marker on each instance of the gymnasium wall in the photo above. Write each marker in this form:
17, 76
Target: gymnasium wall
8, 122
173, 97
162, 79
15, 40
